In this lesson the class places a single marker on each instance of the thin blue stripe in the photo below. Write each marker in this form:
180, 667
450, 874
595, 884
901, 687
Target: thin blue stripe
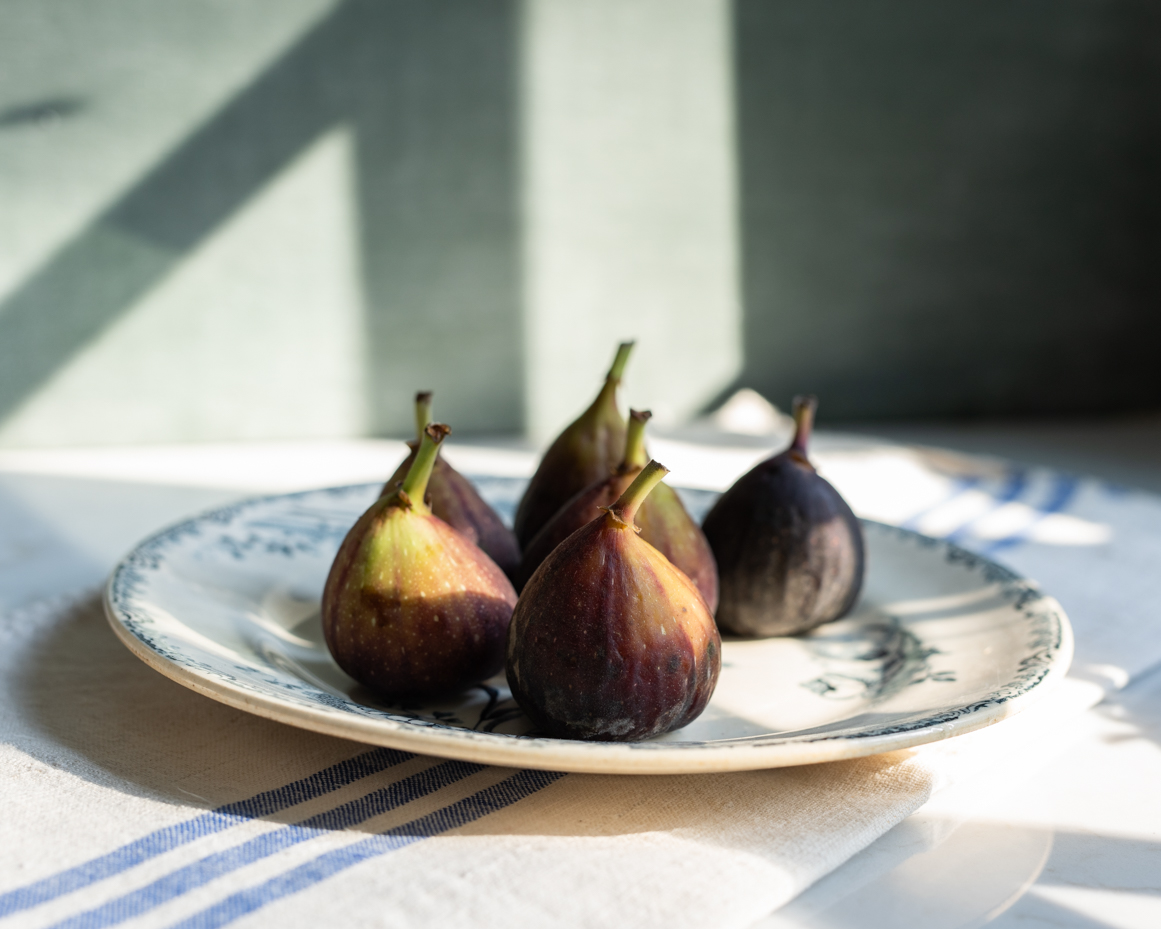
164, 840
1064, 488
214, 866
958, 486
1014, 486
306, 875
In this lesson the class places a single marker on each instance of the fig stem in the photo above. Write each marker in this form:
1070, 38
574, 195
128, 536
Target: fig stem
635, 457
804, 407
618, 369
415, 484
608, 392
630, 501
422, 413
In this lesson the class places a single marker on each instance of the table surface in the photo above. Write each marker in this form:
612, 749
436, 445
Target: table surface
1075, 842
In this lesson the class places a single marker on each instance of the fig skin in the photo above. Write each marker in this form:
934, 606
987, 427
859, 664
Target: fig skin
577, 513
661, 518
587, 451
789, 551
411, 608
609, 641
453, 499
667, 526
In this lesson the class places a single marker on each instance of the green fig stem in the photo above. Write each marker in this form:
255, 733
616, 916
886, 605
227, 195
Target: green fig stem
635, 456
414, 487
617, 371
422, 413
804, 407
608, 392
630, 501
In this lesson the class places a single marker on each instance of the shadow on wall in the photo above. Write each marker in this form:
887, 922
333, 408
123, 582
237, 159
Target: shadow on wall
41, 111
429, 92
950, 209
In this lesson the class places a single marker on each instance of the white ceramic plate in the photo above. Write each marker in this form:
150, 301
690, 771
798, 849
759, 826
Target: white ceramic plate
942, 643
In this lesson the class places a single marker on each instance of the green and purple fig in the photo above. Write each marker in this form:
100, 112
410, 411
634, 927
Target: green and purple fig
789, 550
411, 608
662, 519
587, 451
453, 499
609, 640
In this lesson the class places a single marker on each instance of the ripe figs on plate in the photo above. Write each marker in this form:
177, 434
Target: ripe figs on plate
662, 519
610, 641
411, 608
588, 450
789, 550
453, 499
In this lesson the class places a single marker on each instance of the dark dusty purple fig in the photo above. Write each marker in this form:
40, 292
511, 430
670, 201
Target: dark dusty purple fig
609, 640
453, 499
789, 549
662, 519
411, 608
587, 451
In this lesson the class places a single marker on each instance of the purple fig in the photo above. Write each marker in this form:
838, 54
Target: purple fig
662, 519
453, 499
411, 608
789, 549
610, 641
587, 451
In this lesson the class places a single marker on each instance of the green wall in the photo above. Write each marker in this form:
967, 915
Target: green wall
247, 219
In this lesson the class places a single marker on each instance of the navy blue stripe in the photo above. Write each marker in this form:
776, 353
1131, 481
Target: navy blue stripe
164, 840
306, 875
211, 867
325, 781
1064, 488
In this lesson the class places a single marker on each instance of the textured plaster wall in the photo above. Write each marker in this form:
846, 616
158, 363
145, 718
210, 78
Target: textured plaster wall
238, 219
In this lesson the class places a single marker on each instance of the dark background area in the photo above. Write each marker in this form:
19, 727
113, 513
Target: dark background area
951, 210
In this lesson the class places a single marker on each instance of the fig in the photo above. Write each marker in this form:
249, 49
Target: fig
790, 552
411, 608
588, 450
662, 519
610, 641
453, 499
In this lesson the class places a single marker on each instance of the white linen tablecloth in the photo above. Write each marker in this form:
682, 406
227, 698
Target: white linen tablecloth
129, 800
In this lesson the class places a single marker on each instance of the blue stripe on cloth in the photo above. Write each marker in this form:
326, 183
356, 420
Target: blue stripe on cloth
958, 486
211, 867
1064, 488
494, 798
164, 840
1014, 485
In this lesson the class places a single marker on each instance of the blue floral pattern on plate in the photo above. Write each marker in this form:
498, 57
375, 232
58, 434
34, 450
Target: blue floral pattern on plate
944, 641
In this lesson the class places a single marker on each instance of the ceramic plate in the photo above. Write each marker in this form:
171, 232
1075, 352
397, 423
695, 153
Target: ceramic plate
943, 642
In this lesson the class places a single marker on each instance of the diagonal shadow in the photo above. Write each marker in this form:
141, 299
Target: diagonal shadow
429, 91
40, 111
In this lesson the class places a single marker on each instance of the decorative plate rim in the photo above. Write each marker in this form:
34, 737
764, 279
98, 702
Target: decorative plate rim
1037, 673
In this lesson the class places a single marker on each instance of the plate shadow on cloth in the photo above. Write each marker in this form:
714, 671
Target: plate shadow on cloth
110, 719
